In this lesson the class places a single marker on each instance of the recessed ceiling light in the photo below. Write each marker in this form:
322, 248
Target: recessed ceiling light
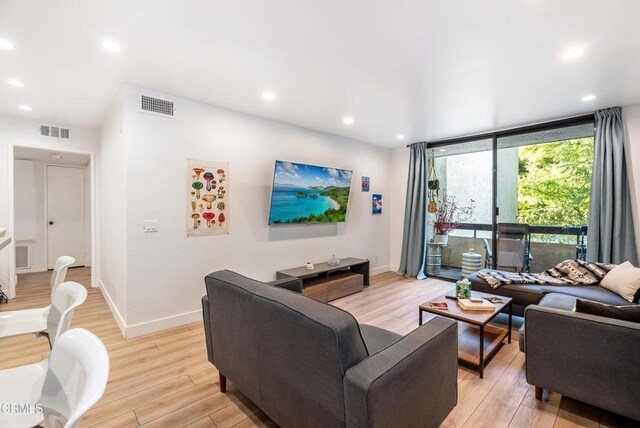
111, 46
24, 107
443, 150
589, 97
573, 52
55, 156
269, 96
400, 137
348, 120
16, 83
6, 44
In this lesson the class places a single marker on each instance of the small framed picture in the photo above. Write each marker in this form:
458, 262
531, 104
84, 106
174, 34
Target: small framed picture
365, 184
376, 204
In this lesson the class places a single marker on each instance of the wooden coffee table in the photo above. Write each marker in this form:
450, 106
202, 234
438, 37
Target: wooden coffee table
479, 342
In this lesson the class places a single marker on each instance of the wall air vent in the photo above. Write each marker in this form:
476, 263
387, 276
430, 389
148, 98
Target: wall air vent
54, 131
23, 257
157, 106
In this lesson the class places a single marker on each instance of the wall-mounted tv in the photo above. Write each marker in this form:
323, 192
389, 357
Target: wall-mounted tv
309, 194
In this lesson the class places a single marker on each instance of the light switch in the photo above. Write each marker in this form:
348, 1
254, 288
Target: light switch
150, 226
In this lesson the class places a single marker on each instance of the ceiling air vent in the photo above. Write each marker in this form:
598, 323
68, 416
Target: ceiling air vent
157, 106
54, 131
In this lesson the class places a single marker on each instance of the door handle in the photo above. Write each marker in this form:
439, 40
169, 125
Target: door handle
51, 222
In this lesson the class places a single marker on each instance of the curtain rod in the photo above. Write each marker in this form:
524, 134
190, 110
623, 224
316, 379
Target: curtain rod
576, 120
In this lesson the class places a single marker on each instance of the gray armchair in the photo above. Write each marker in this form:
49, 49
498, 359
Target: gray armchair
585, 357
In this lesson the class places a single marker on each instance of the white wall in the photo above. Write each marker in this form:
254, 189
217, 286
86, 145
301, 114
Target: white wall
111, 207
631, 119
23, 132
165, 270
398, 180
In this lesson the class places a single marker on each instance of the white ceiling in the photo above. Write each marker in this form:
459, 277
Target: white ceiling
427, 69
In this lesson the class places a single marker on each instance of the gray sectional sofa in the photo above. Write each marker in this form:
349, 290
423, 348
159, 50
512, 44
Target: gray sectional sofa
524, 295
309, 364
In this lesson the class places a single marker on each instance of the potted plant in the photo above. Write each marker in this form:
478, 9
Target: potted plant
448, 217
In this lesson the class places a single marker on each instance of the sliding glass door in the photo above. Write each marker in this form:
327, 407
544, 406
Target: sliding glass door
544, 184
463, 205
521, 198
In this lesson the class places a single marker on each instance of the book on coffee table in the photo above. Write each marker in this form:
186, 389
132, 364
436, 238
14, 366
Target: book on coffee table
439, 305
468, 305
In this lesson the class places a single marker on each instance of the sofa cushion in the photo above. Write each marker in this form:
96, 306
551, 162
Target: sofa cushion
624, 280
558, 301
377, 338
626, 313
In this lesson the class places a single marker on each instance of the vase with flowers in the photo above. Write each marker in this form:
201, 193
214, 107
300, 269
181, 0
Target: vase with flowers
448, 218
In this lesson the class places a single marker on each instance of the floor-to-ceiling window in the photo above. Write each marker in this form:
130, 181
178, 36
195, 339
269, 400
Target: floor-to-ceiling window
529, 193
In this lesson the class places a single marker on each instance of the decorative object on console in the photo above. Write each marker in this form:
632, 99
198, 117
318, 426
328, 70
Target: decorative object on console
309, 266
624, 280
365, 184
449, 216
333, 260
376, 202
463, 289
206, 205
3, 232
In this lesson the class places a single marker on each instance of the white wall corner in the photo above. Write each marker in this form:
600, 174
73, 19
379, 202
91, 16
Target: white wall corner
122, 325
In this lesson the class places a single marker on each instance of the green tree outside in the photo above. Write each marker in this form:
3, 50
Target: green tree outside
554, 185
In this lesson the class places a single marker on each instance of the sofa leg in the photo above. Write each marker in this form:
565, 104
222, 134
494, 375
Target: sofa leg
223, 382
538, 393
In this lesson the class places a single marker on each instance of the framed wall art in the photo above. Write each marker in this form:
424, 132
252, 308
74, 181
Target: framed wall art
207, 198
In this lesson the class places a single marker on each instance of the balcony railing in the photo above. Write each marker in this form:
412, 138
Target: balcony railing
577, 231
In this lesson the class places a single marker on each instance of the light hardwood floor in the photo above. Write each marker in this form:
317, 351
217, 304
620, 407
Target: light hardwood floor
165, 380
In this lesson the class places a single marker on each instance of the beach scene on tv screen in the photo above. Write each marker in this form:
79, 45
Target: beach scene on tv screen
309, 194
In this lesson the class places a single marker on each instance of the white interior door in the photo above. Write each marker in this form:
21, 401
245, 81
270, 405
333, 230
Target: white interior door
65, 214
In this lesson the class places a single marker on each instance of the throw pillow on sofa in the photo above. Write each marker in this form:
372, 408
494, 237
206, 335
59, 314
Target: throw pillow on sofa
624, 280
625, 313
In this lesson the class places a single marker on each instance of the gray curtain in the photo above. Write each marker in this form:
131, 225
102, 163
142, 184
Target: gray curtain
611, 237
414, 236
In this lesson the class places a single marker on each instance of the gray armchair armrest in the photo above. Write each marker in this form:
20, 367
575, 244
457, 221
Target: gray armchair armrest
413, 382
585, 357
292, 284
207, 327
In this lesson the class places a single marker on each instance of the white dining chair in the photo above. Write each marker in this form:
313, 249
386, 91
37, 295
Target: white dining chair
58, 390
60, 271
54, 321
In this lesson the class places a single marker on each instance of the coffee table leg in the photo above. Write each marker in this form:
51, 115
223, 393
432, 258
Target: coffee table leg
510, 316
419, 317
481, 352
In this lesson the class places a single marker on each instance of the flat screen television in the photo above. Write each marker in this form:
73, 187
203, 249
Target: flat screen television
309, 194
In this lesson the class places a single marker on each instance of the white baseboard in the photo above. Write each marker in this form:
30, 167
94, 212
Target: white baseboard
394, 268
122, 325
379, 270
32, 269
135, 330
153, 326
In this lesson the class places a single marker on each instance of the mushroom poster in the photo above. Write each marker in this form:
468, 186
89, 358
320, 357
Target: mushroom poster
208, 203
